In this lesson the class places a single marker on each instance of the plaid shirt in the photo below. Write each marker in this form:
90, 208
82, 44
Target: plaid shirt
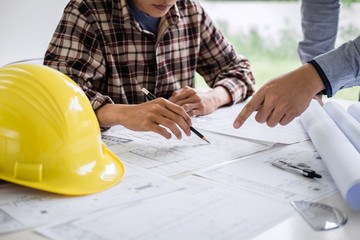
99, 45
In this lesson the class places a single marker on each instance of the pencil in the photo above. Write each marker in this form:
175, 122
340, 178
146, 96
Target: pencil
152, 97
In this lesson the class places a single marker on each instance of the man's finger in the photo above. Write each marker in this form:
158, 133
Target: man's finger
180, 95
249, 108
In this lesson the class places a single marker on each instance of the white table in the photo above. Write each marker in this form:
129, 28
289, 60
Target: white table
294, 227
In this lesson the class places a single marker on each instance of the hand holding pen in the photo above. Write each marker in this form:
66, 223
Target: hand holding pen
160, 116
153, 97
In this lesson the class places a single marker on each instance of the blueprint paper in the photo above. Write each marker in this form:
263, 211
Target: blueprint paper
169, 157
23, 208
256, 174
354, 110
221, 121
202, 210
347, 124
339, 155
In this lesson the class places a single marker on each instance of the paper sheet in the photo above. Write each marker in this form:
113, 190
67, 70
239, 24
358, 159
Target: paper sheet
256, 174
22, 208
173, 157
354, 110
347, 124
221, 121
243, 201
204, 210
339, 155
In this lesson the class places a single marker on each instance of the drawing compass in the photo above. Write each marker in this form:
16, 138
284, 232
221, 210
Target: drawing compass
306, 172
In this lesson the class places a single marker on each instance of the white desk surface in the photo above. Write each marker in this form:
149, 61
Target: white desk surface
293, 227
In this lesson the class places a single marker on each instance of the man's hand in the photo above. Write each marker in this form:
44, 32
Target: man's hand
283, 98
150, 116
198, 103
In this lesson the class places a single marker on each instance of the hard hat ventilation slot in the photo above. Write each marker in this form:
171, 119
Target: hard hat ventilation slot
28, 171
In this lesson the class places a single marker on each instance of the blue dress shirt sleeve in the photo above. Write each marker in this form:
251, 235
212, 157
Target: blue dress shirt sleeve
341, 66
338, 68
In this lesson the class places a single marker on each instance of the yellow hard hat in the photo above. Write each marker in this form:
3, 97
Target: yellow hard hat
49, 135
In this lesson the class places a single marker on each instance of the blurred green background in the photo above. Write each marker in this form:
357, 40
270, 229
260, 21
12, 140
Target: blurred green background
269, 59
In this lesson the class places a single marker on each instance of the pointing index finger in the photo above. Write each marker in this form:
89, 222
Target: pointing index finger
252, 106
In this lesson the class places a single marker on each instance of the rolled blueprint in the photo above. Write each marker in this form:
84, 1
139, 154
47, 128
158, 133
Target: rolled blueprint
354, 110
339, 155
347, 124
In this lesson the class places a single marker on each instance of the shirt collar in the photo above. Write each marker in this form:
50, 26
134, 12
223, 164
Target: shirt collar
173, 15
124, 11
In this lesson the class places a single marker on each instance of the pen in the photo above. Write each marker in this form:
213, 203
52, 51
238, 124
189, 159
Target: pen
306, 172
152, 97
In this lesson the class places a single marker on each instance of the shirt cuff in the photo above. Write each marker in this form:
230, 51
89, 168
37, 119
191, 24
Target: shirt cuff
328, 89
238, 90
99, 101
